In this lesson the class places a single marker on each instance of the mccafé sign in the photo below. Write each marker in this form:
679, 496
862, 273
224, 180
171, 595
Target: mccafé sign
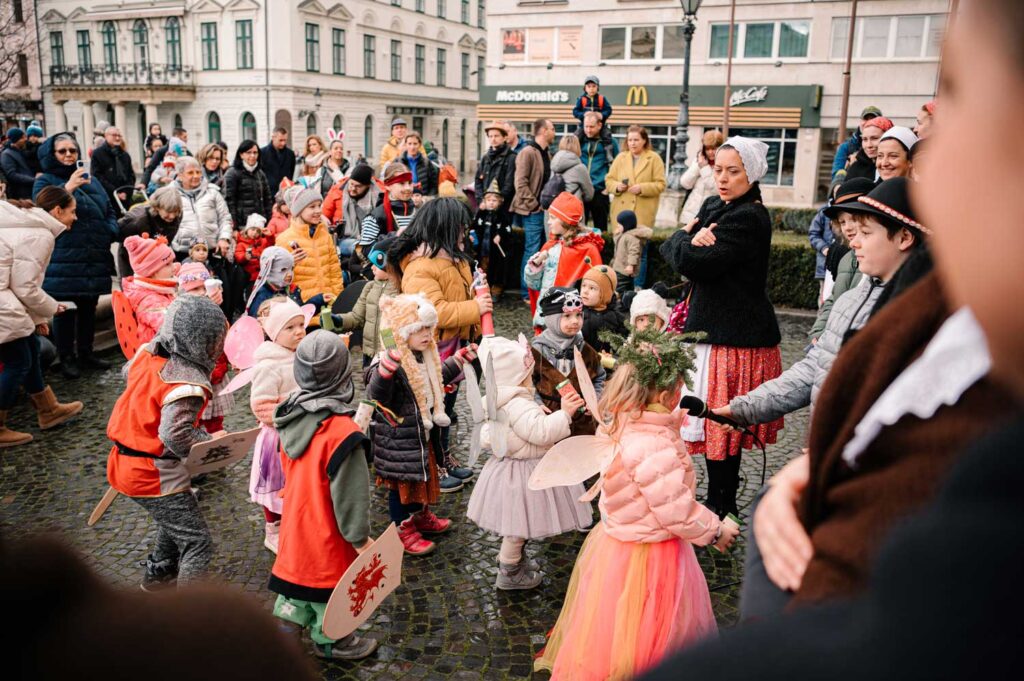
636, 95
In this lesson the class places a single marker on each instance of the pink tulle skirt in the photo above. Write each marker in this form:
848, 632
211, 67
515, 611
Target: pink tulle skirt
627, 607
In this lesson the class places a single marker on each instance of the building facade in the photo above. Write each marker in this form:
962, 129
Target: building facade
236, 69
788, 61
20, 78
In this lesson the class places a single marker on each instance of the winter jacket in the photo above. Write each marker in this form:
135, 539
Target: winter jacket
82, 263
328, 180
366, 314
574, 174
112, 166
566, 264
546, 376
157, 159
267, 292
497, 165
401, 450
18, 173
598, 103
319, 271
26, 242
275, 166
389, 152
204, 217
821, 237
247, 193
532, 170
248, 252
700, 181
138, 221
629, 246
596, 321
846, 278
729, 301
649, 173
448, 285
598, 163
649, 489
377, 224
272, 379
150, 299
799, 385
278, 222
344, 213
531, 430
847, 149
424, 174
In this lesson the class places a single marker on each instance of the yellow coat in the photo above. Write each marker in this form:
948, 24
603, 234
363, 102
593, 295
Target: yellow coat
448, 285
320, 271
389, 152
649, 173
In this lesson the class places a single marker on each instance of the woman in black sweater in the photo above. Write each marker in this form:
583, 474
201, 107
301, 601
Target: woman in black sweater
724, 251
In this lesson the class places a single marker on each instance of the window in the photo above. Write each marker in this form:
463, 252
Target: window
338, 125
243, 44
140, 42
462, 146
421, 5
312, 47
465, 71
369, 56
57, 49
889, 37
673, 44
172, 29
22, 70
444, 139
177, 117
629, 43
613, 43
84, 49
248, 126
109, 44
479, 72
781, 153
642, 42
417, 124
421, 64
442, 67
442, 9
213, 126
762, 40
396, 60
338, 51
208, 33
19, 12
481, 13
311, 124
396, 3
465, 11
368, 137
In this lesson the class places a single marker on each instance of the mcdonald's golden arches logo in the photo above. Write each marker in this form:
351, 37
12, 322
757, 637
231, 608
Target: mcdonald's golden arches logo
637, 94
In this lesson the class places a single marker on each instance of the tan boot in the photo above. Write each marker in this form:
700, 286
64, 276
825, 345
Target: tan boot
51, 412
11, 438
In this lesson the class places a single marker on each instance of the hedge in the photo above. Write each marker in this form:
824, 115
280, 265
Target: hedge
796, 220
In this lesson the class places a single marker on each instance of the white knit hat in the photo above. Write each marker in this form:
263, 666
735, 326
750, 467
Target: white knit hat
648, 302
513, 360
255, 220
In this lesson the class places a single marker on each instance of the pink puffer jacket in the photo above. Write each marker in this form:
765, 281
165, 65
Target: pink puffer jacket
150, 299
648, 493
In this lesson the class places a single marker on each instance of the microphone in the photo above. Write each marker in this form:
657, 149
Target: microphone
696, 406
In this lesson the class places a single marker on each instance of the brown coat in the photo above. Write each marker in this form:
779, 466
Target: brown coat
448, 285
629, 246
849, 513
546, 377
529, 181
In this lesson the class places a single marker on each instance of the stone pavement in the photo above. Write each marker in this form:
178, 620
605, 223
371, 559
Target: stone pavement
446, 621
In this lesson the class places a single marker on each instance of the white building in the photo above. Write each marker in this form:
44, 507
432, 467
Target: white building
20, 78
786, 73
235, 69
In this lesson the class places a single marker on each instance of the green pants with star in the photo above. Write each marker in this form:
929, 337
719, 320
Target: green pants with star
306, 614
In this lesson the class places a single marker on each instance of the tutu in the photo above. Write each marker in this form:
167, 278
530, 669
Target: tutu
266, 479
627, 607
503, 503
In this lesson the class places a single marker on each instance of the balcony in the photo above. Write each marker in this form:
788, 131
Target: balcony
124, 75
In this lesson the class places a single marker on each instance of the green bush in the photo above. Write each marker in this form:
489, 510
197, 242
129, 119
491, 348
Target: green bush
791, 219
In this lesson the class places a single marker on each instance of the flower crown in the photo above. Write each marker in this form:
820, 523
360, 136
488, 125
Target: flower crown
660, 359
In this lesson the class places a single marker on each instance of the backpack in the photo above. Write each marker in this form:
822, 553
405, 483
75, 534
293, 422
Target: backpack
552, 188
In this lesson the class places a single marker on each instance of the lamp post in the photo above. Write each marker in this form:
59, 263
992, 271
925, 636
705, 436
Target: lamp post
678, 167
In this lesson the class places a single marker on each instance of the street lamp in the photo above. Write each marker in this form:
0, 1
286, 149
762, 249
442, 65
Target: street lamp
678, 167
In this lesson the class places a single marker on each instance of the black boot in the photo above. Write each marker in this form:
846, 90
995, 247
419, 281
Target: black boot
160, 575
91, 361
730, 484
69, 367
714, 498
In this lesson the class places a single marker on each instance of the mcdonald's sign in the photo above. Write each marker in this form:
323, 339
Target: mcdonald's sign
637, 94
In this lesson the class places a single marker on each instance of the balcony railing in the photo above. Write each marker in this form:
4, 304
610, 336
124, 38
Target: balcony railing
124, 75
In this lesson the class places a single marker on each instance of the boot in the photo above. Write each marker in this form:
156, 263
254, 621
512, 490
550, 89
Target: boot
527, 563
351, 647
91, 361
412, 540
730, 484
426, 522
271, 536
514, 576
8, 437
714, 498
160, 575
69, 367
51, 412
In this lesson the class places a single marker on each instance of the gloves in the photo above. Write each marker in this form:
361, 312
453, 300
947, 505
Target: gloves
389, 363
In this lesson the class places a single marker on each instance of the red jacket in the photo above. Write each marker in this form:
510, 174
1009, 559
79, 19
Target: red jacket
248, 252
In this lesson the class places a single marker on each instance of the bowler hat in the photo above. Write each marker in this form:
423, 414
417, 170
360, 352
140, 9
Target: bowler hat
890, 203
848, 193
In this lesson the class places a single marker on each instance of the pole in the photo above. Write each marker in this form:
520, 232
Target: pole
844, 108
683, 122
728, 70
954, 6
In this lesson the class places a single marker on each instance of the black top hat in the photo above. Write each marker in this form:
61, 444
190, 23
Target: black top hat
889, 202
848, 193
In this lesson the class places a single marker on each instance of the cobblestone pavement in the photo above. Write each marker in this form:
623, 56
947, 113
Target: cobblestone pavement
446, 621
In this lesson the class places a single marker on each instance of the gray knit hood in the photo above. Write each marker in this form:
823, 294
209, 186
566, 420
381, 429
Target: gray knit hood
193, 336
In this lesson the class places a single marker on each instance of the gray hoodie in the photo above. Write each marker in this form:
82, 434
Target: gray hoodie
575, 174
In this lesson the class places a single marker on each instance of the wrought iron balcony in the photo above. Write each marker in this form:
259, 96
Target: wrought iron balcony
124, 75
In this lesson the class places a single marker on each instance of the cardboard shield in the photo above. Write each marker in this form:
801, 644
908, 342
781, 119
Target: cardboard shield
126, 324
345, 301
373, 575
214, 455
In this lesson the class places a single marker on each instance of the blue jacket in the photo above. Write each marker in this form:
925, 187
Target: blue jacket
82, 263
846, 150
821, 237
585, 103
596, 159
19, 175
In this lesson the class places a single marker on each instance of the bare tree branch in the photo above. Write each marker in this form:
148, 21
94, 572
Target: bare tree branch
16, 38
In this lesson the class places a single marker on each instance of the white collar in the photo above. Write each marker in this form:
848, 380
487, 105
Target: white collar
955, 359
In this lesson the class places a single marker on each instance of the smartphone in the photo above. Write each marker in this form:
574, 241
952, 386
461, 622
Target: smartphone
81, 164
387, 339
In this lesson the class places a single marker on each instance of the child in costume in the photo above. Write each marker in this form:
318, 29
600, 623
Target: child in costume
637, 592
276, 278
272, 380
395, 210
493, 228
251, 243
152, 288
562, 309
570, 251
325, 522
629, 247
409, 383
592, 100
502, 502
366, 312
648, 310
154, 425
600, 308
199, 252
192, 278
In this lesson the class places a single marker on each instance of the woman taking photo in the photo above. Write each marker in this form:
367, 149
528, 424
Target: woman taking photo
211, 159
724, 252
82, 264
245, 186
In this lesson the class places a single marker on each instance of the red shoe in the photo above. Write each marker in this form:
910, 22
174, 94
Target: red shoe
428, 523
413, 541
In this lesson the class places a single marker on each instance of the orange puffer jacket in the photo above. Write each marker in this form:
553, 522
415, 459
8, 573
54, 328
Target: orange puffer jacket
319, 271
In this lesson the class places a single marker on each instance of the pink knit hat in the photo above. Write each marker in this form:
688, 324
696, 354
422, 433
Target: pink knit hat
146, 255
192, 276
283, 312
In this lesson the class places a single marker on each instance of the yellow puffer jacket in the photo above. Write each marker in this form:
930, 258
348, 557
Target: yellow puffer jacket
319, 271
448, 285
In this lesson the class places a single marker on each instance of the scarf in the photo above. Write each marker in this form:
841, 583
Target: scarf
250, 168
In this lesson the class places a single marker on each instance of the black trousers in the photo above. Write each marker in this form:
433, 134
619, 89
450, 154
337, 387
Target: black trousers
75, 329
597, 211
723, 481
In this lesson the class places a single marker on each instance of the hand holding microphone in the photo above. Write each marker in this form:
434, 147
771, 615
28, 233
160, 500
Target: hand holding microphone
722, 416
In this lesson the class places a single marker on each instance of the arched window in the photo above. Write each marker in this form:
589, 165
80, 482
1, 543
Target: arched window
368, 137
173, 30
444, 139
109, 34
213, 126
339, 123
177, 121
462, 147
140, 41
248, 126
311, 124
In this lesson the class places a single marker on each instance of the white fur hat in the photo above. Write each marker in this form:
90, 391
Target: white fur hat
513, 360
648, 302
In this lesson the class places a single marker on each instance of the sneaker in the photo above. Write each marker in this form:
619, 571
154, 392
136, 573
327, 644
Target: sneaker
271, 536
351, 647
426, 522
159, 576
528, 564
461, 472
413, 541
515, 577
449, 483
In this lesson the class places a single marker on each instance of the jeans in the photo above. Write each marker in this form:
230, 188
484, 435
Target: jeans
21, 368
533, 226
625, 284
76, 327
398, 511
641, 270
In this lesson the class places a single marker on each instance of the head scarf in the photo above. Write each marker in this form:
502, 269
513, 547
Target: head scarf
193, 335
905, 136
274, 263
753, 153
